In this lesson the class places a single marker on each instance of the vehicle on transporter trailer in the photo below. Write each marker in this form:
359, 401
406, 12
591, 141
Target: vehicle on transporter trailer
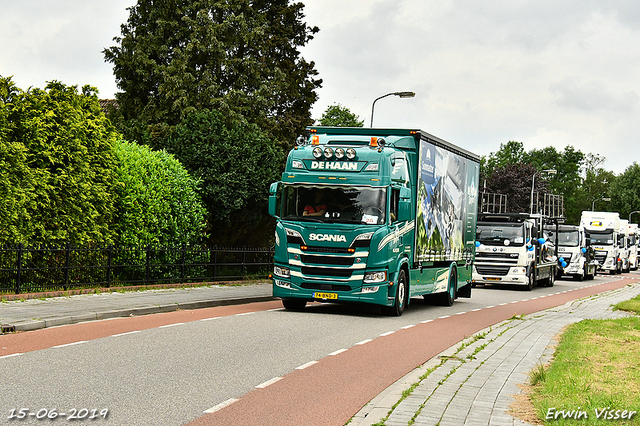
513, 248
374, 216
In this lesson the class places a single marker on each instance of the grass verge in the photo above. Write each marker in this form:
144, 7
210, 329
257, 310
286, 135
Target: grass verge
594, 378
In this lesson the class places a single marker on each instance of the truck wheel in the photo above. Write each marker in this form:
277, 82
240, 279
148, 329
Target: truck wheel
531, 280
401, 298
552, 279
294, 304
580, 277
446, 299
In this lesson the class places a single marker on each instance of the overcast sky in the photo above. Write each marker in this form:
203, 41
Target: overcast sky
541, 72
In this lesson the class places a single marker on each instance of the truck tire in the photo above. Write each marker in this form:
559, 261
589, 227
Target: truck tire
402, 296
531, 279
552, 278
447, 298
294, 304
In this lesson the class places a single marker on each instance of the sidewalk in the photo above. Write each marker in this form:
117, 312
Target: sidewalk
33, 314
474, 382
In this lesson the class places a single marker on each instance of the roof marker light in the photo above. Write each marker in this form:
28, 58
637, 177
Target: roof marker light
374, 141
315, 140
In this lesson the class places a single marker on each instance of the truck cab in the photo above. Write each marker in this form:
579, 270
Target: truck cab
512, 249
576, 257
603, 230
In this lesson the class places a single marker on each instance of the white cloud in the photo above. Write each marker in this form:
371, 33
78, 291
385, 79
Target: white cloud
541, 72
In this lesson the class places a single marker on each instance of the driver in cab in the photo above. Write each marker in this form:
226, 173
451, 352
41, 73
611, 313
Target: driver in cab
317, 208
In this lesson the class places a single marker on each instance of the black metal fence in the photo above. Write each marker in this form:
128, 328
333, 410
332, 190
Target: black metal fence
26, 269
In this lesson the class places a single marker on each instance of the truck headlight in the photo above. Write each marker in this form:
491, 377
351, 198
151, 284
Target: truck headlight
282, 271
375, 277
370, 289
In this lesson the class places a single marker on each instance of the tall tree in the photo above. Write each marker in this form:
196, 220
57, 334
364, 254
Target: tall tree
241, 57
625, 192
235, 161
510, 153
515, 180
567, 180
337, 115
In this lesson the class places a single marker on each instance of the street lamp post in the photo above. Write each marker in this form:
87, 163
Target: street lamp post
533, 181
637, 211
401, 94
593, 205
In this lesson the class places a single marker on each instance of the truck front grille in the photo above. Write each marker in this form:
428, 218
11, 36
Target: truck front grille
492, 270
325, 287
326, 260
510, 258
327, 272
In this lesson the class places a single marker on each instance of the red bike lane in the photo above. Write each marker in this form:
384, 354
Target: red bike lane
332, 390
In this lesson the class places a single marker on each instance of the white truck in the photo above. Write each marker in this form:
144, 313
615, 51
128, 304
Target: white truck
625, 249
634, 243
602, 229
576, 257
511, 248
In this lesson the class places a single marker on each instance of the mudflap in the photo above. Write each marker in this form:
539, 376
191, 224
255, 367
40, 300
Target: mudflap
464, 291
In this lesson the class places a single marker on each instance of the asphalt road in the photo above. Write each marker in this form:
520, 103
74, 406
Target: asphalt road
168, 369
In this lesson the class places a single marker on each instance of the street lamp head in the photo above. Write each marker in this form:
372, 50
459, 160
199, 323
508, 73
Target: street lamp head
401, 94
551, 171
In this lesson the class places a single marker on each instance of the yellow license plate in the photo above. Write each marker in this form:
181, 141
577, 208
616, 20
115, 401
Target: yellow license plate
493, 279
318, 295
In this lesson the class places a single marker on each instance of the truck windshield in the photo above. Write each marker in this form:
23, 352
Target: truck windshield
334, 204
602, 238
568, 239
500, 233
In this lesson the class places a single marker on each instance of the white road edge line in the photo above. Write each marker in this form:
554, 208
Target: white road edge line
69, 344
171, 325
222, 405
268, 383
408, 326
387, 333
339, 351
363, 342
210, 319
9, 356
124, 334
309, 364
245, 313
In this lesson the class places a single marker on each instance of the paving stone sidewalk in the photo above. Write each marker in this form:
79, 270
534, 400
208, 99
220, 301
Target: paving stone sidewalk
474, 382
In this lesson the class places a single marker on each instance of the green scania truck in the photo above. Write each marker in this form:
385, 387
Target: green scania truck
367, 215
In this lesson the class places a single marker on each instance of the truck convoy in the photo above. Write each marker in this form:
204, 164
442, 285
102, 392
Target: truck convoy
374, 216
576, 257
513, 249
603, 230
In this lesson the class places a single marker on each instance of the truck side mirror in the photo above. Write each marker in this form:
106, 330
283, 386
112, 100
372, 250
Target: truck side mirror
273, 198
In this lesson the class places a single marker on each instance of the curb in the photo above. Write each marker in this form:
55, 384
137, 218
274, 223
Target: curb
31, 325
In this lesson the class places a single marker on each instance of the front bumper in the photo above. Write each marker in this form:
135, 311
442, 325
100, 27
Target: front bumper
369, 293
